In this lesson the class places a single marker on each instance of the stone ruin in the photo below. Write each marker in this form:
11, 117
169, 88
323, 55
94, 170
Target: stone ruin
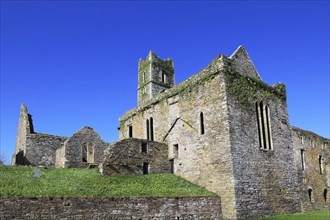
223, 129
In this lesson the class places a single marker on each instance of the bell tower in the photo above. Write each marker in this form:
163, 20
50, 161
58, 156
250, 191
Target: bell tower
155, 76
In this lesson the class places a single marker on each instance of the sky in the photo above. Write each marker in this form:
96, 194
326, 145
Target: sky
74, 63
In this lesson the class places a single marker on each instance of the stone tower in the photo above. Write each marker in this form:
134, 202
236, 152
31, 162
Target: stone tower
155, 76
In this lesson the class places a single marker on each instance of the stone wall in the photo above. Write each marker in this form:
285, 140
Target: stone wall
314, 182
135, 157
265, 177
41, 148
204, 159
110, 208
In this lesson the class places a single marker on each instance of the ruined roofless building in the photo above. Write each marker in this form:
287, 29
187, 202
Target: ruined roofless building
85, 147
223, 129
228, 131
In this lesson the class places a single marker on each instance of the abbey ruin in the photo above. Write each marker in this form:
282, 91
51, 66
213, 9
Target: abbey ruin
223, 129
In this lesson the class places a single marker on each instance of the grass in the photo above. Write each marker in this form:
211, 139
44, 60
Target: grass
318, 215
20, 181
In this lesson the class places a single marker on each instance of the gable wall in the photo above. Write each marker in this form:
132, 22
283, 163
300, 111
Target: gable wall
265, 180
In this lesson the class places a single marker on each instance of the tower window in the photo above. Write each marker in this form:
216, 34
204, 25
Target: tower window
201, 122
325, 194
130, 131
264, 126
163, 77
144, 76
302, 155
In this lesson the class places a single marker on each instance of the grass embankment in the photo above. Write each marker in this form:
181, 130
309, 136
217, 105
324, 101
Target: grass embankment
20, 181
319, 215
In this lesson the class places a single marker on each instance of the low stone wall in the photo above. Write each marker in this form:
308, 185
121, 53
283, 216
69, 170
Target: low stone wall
110, 208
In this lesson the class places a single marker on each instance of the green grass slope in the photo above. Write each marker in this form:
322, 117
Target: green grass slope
318, 215
20, 181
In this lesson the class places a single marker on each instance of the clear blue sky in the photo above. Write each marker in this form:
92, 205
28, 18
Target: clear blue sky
74, 63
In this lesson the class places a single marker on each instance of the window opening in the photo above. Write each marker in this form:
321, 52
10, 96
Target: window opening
172, 166
145, 168
130, 131
310, 195
324, 146
151, 129
84, 153
325, 194
321, 164
147, 129
264, 126
144, 148
201, 122
176, 150
163, 77
90, 153
302, 155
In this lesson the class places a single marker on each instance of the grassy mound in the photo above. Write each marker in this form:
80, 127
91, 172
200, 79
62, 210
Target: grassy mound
20, 181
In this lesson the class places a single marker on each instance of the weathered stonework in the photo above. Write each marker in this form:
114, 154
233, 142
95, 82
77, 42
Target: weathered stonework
49, 150
223, 129
155, 76
135, 157
314, 175
110, 208
265, 179
218, 139
74, 150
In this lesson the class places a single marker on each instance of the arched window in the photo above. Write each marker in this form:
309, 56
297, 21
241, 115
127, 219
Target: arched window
84, 152
264, 126
310, 195
201, 123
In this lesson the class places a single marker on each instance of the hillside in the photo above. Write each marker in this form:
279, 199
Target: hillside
20, 181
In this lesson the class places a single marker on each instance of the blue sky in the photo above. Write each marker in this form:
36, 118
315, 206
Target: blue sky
74, 63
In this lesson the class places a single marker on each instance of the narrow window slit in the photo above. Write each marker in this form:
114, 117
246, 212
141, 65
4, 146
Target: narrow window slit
201, 119
130, 131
